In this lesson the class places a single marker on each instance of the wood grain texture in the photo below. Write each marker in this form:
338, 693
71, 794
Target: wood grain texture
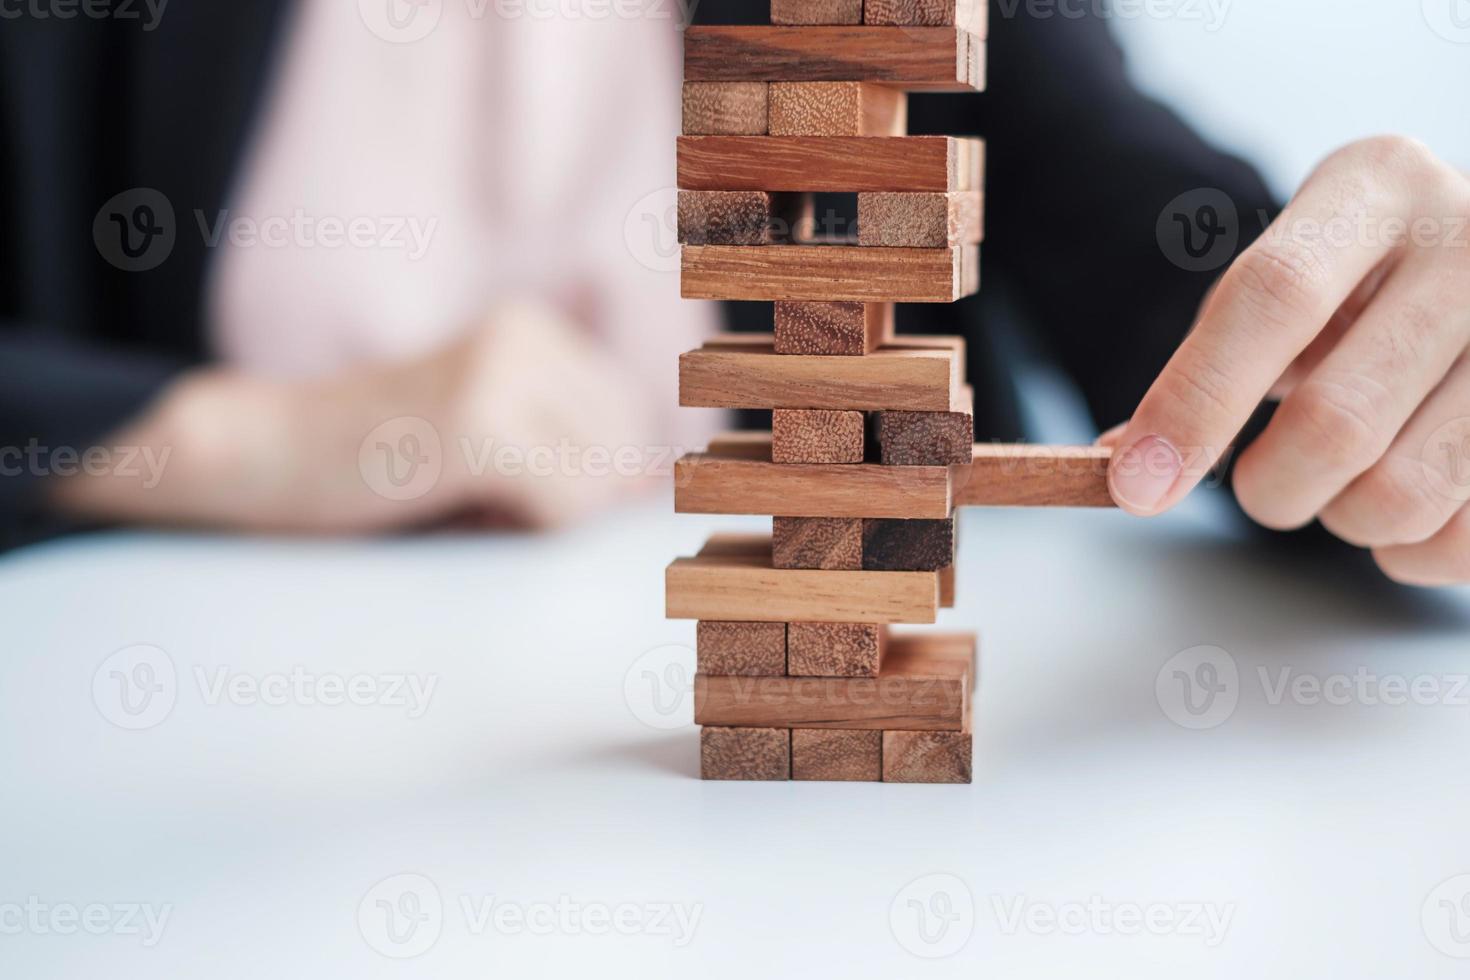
741, 217
816, 12
919, 219
744, 371
845, 329
745, 649
1037, 476
917, 58
927, 757
836, 755
828, 273
706, 483
924, 438
744, 753
834, 543
970, 15
835, 649
908, 546
725, 108
816, 435
747, 588
836, 109
924, 685
842, 164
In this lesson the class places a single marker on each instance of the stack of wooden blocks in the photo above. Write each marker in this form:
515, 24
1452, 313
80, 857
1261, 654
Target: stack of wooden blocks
871, 447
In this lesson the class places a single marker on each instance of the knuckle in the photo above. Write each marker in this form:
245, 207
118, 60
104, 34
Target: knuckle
1392, 503
1197, 388
1341, 421
1394, 155
1281, 280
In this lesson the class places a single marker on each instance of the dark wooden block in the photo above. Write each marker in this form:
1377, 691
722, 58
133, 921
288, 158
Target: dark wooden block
835, 754
891, 545
740, 217
744, 753
924, 438
816, 11
831, 543
746, 649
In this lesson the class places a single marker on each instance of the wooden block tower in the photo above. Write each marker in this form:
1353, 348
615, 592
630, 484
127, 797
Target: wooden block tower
871, 447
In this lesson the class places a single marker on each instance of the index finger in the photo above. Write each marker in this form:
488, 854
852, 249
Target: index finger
1269, 306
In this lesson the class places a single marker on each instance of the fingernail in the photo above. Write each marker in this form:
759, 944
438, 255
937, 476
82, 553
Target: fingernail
1143, 474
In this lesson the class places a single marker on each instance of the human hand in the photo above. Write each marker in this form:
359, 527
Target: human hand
1352, 310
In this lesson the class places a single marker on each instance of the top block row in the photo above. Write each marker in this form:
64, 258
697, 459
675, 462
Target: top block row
969, 14
915, 59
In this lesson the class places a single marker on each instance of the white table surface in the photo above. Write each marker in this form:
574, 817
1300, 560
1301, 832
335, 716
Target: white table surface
1317, 834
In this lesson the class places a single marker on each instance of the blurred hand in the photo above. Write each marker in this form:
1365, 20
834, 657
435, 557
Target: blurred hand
1353, 309
496, 428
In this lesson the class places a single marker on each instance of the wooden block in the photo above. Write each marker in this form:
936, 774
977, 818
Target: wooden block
924, 685
705, 483
924, 438
835, 649
744, 753
1037, 476
744, 371
816, 11
927, 757
919, 220
917, 59
845, 329
836, 755
816, 435
827, 273
972, 15
834, 543
747, 588
842, 164
836, 109
907, 546
747, 649
725, 108
946, 587
742, 217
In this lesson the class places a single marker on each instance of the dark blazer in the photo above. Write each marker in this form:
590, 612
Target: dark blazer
115, 135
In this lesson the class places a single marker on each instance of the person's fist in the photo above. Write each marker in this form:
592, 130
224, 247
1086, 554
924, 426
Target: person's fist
1353, 309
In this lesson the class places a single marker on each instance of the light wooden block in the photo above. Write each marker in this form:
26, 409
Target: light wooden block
744, 371
812, 12
971, 15
744, 753
816, 435
741, 217
746, 587
842, 164
834, 543
706, 483
836, 109
828, 273
919, 219
917, 59
846, 329
1037, 476
927, 757
924, 438
725, 108
746, 649
908, 546
924, 685
836, 755
835, 649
